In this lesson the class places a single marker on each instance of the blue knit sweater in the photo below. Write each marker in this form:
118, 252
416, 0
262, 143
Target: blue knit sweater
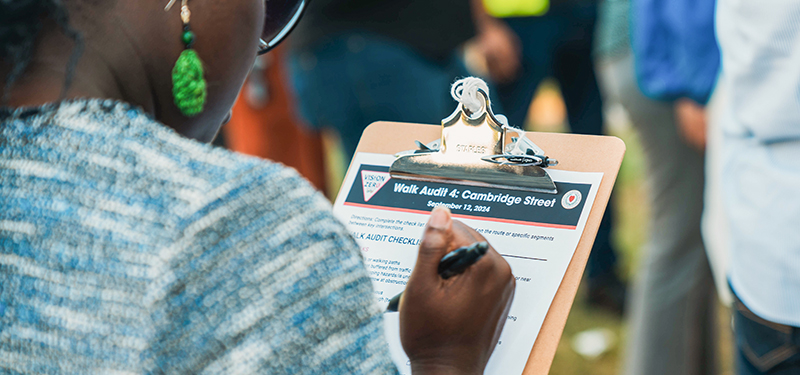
128, 249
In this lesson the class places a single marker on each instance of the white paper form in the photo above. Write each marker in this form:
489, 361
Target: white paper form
537, 234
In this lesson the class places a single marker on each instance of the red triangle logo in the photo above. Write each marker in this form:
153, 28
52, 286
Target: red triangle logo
372, 182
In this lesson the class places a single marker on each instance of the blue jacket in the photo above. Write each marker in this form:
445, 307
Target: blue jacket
675, 48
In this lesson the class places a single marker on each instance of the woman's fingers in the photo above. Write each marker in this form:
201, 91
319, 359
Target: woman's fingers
436, 242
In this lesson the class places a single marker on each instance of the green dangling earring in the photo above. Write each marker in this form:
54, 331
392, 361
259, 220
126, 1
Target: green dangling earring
188, 83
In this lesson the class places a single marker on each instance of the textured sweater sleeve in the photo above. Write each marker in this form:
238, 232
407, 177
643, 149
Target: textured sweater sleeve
263, 279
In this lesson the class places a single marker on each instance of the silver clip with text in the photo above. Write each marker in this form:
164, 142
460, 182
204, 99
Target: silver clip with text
473, 151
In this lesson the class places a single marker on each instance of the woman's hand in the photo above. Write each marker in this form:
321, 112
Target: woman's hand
452, 326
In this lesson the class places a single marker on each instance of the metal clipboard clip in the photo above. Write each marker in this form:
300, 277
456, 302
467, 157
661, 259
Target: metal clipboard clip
471, 152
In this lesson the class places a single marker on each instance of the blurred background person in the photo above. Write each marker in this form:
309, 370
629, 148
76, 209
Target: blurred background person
760, 43
672, 316
354, 62
555, 40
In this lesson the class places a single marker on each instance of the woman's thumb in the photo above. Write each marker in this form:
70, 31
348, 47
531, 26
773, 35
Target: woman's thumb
435, 241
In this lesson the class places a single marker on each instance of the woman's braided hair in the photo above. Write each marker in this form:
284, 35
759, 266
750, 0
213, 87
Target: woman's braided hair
20, 24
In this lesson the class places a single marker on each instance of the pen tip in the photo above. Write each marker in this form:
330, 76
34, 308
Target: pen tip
394, 303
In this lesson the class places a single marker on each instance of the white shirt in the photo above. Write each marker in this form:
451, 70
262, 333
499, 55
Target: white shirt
760, 44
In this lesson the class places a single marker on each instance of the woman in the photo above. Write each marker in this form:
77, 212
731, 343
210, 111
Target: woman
127, 246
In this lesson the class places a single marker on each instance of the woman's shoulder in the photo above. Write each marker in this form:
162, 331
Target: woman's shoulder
230, 246
101, 150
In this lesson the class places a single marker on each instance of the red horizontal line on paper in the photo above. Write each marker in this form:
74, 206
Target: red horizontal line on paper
509, 221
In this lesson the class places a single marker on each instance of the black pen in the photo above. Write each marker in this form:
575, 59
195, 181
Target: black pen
454, 263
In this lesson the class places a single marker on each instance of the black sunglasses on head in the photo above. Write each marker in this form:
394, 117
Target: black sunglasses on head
282, 16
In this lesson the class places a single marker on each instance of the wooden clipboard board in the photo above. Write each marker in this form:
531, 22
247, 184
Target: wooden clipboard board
581, 153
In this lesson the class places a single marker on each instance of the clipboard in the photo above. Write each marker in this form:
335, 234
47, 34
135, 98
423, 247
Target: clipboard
581, 153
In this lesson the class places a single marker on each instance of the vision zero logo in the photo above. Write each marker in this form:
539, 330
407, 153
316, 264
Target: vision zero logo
373, 181
571, 199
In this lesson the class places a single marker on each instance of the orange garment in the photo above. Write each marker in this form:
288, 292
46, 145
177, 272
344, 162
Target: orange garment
271, 129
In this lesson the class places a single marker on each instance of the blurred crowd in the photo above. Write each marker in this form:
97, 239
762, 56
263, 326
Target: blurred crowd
720, 175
